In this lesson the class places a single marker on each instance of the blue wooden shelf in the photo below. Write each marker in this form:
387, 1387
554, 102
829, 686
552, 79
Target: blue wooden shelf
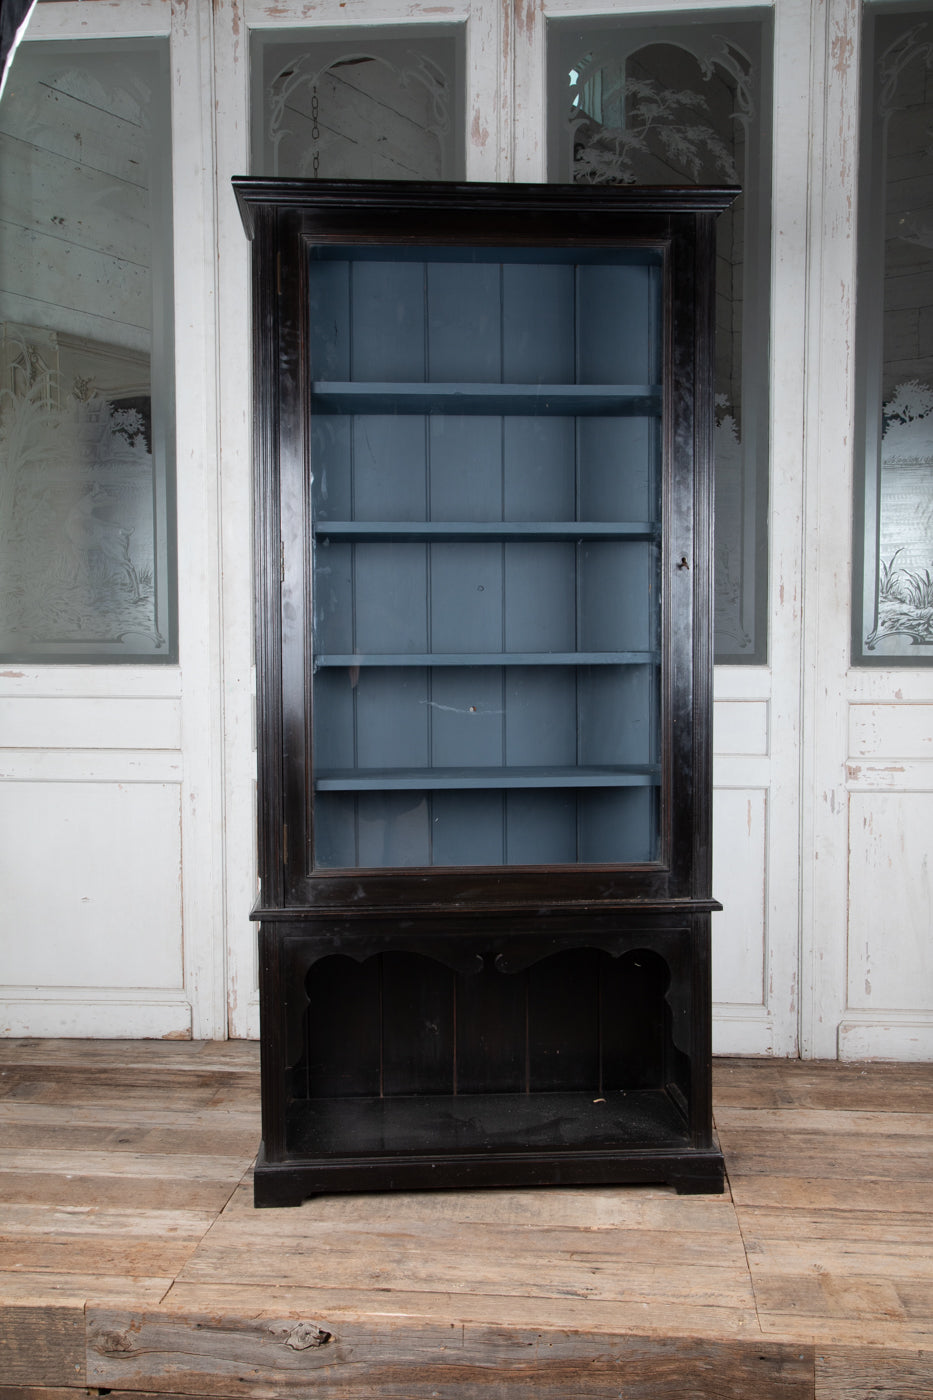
516, 531
489, 658
460, 779
562, 400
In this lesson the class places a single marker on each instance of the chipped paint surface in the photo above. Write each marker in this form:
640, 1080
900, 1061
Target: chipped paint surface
526, 15
842, 48
479, 131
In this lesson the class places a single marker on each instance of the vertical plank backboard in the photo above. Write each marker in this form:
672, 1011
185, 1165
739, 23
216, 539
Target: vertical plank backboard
465, 467
387, 321
389, 467
538, 469
537, 323
619, 468
464, 309
418, 1025
618, 324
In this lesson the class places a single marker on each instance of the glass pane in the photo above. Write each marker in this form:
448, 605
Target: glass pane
376, 104
86, 404
486, 493
893, 613
675, 103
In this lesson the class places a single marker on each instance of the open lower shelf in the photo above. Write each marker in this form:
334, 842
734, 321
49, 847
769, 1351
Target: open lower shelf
634, 1120
452, 779
564, 400
462, 532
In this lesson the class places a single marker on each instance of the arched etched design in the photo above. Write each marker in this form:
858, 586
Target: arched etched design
893, 612
86, 394
668, 103
384, 105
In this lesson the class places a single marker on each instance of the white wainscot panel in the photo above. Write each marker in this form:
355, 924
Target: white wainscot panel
890, 902
740, 819
90, 722
740, 727
891, 731
91, 876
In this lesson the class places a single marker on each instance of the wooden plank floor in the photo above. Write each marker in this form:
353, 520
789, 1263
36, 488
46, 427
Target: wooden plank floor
133, 1263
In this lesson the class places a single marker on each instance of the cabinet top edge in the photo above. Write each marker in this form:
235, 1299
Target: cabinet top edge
458, 913
274, 192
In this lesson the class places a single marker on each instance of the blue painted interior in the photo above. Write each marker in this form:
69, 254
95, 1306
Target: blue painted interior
486, 459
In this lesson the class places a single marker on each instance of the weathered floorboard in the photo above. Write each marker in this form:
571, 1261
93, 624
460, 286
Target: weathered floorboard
864, 1373
248, 1357
132, 1259
42, 1344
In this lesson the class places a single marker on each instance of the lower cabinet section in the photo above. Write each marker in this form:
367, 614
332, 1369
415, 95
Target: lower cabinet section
410, 1054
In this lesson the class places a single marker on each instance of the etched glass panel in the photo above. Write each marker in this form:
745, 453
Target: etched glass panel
893, 613
86, 404
669, 102
377, 104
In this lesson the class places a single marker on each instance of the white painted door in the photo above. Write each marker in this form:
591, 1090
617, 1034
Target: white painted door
481, 34
111, 799
127, 801
867, 809
757, 708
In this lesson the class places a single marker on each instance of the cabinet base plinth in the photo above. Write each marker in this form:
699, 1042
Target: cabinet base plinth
689, 1171
289, 1184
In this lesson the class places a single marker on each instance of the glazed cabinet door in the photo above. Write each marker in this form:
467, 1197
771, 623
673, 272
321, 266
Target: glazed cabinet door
485, 434
483, 537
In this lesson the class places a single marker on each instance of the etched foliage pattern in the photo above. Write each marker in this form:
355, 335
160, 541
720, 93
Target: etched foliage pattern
897, 263
672, 104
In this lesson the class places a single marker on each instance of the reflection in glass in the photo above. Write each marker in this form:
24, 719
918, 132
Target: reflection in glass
893, 617
370, 105
670, 103
86, 434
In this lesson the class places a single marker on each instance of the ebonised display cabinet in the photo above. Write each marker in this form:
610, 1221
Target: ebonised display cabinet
483, 425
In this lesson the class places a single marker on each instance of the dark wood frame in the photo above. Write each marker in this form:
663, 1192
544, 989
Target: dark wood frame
457, 914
